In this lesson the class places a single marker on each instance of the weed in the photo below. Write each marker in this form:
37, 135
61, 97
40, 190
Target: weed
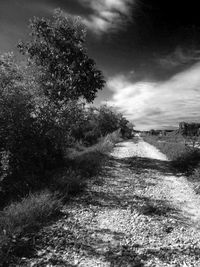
21, 217
183, 158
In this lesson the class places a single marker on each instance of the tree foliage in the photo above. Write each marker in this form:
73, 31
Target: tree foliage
57, 48
34, 131
98, 122
39, 102
43, 103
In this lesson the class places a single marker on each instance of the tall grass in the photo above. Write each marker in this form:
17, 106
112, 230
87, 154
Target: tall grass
21, 217
33, 211
107, 143
169, 146
90, 160
183, 158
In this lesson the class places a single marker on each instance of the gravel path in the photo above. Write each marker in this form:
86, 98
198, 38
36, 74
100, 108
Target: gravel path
137, 213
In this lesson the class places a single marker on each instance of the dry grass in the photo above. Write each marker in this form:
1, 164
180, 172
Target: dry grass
20, 217
107, 143
89, 161
29, 212
33, 211
172, 148
67, 182
185, 159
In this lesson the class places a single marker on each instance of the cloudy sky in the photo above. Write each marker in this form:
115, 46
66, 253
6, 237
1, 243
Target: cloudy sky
148, 50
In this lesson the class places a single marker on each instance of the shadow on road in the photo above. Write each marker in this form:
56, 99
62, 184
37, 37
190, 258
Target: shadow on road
142, 164
126, 193
119, 187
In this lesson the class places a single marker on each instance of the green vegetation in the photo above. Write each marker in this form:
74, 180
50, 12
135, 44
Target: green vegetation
43, 109
31, 212
172, 147
26, 215
184, 156
51, 141
56, 50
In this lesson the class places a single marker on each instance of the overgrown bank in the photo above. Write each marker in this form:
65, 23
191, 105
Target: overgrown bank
45, 111
51, 138
32, 212
184, 159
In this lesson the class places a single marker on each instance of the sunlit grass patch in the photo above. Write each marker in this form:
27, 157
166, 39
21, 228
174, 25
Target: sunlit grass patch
182, 157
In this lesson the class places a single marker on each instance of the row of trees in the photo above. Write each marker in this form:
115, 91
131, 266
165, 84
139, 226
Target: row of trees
43, 101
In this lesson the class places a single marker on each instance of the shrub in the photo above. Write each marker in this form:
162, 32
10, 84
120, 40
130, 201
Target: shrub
90, 160
107, 143
39, 103
99, 122
31, 211
67, 182
188, 161
88, 163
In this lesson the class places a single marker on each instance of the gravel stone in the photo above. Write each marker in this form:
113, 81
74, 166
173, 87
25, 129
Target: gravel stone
139, 215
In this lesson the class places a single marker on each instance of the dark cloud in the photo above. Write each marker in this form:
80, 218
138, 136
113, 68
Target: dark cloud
150, 45
108, 15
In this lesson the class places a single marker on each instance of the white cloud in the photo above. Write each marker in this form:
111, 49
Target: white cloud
179, 57
107, 14
158, 104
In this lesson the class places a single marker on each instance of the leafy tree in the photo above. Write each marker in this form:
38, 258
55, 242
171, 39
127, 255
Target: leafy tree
108, 120
101, 121
16, 118
57, 49
33, 129
40, 107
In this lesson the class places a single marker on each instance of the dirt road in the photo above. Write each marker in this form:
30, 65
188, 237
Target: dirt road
137, 213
